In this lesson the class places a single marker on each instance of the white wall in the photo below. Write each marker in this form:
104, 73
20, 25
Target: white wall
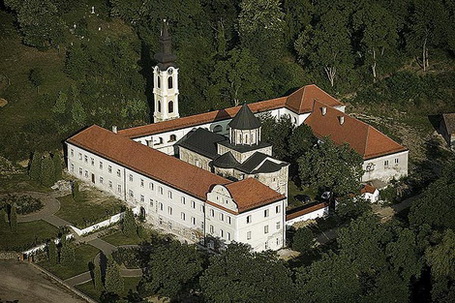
386, 167
310, 216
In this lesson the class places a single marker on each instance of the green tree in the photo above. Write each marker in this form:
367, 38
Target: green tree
277, 132
173, 268
47, 171
97, 278
75, 191
352, 208
303, 240
113, 282
67, 252
129, 225
301, 140
78, 114
13, 218
53, 253
34, 170
330, 167
36, 77
240, 275
57, 166
61, 103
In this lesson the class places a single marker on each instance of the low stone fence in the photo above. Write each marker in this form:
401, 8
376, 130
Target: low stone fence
41, 247
9, 255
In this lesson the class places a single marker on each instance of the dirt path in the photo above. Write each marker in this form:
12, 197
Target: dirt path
21, 281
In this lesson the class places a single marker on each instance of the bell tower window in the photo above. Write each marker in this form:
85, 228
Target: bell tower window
171, 106
159, 82
159, 106
169, 82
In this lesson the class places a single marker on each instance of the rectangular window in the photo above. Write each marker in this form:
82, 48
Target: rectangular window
169, 194
109, 169
119, 173
193, 220
212, 213
110, 184
248, 235
80, 171
161, 206
130, 178
266, 229
85, 158
72, 153
119, 188
161, 190
221, 217
266, 213
396, 161
151, 202
101, 165
193, 204
86, 174
183, 216
228, 236
130, 193
142, 182
229, 219
183, 200
169, 210
151, 186
278, 209
278, 225
221, 233
142, 198
386, 163
248, 219
92, 161
101, 180
212, 230
80, 156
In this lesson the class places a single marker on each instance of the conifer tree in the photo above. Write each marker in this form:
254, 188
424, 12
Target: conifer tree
53, 254
35, 167
113, 282
75, 191
57, 166
67, 253
13, 218
47, 171
97, 278
129, 226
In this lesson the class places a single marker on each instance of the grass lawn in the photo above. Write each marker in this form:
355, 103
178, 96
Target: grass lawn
118, 239
89, 289
27, 236
19, 183
84, 255
88, 209
294, 191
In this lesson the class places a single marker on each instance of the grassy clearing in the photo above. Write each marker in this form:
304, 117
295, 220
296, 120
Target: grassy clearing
119, 239
27, 236
89, 289
295, 192
89, 209
84, 255
19, 183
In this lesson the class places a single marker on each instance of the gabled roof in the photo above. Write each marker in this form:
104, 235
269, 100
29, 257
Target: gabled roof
363, 138
449, 121
245, 119
226, 160
203, 142
301, 101
260, 163
250, 193
169, 170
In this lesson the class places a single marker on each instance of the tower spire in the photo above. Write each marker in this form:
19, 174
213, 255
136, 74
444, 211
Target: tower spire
165, 57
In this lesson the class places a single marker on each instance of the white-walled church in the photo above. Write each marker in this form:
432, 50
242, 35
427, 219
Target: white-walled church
210, 174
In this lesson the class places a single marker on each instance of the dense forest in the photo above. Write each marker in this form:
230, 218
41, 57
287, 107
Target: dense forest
91, 60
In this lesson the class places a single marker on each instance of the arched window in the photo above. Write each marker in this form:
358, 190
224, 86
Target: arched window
159, 82
160, 140
246, 138
172, 138
169, 82
217, 129
171, 106
159, 106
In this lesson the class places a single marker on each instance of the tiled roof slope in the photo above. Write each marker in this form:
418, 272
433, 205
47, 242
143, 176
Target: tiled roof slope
363, 138
245, 119
301, 101
167, 169
250, 193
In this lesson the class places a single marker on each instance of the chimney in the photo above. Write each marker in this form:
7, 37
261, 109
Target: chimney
114, 128
149, 143
323, 110
341, 119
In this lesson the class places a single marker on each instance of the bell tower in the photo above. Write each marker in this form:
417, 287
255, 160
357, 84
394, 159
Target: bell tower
165, 80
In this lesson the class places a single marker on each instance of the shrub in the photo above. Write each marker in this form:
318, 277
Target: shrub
126, 256
303, 240
24, 204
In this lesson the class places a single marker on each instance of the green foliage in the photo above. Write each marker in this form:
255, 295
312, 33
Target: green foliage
240, 275
173, 269
352, 208
277, 132
301, 141
24, 204
60, 104
113, 282
75, 192
47, 171
36, 77
303, 240
67, 252
34, 170
78, 113
97, 278
328, 166
52, 252
3, 219
129, 225
57, 166
127, 256
13, 218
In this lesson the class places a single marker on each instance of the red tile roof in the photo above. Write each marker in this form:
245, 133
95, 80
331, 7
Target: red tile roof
367, 188
363, 138
301, 101
169, 170
250, 193
294, 214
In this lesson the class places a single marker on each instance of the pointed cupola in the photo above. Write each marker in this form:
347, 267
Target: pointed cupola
165, 57
245, 128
